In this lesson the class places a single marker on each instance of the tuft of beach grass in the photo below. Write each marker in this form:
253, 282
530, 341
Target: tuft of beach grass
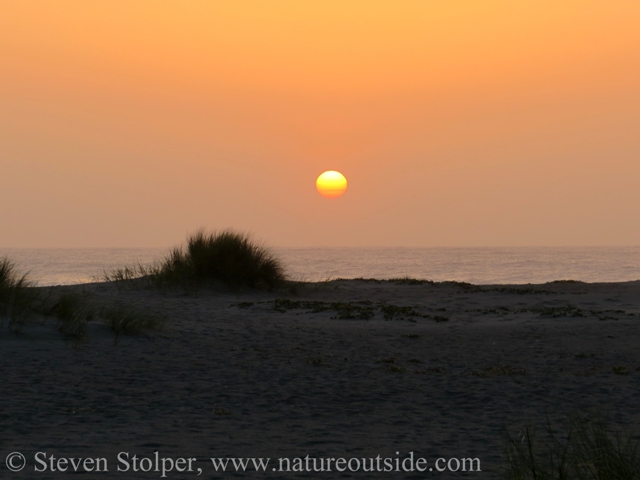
17, 295
125, 319
20, 300
226, 257
581, 449
73, 310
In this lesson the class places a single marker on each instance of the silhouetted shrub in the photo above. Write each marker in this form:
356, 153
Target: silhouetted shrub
582, 449
229, 257
16, 293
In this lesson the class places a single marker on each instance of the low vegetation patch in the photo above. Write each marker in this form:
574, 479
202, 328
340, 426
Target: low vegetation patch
244, 304
128, 320
524, 291
20, 300
17, 295
396, 368
411, 281
557, 312
73, 311
221, 411
208, 258
565, 281
362, 310
499, 371
344, 310
131, 277
464, 286
580, 449
621, 370
318, 361
388, 360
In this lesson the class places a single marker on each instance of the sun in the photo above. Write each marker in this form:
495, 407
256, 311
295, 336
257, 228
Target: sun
331, 184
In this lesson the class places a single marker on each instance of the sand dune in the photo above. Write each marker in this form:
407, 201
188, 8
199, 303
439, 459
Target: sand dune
347, 368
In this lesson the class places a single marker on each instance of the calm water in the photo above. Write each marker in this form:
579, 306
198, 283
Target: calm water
474, 265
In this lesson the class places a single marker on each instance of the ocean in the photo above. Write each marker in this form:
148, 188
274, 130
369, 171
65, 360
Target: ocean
480, 265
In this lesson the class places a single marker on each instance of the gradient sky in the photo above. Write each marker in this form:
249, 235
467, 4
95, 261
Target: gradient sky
457, 123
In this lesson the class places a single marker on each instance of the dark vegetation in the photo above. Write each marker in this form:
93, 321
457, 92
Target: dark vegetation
227, 257
557, 312
16, 294
344, 310
581, 449
395, 281
21, 301
362, 310
73, 312
470, 287
125, 319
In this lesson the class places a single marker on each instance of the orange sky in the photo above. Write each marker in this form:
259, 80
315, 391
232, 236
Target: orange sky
132, 123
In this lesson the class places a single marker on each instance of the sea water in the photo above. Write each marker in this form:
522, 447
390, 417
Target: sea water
480, 265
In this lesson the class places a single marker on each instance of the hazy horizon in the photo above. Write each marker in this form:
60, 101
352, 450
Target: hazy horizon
312, 247
457, 124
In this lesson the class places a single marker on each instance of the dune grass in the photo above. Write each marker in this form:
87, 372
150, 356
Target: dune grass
581, 449
128, 320
136, 277
226, 257
73, 310
17, 296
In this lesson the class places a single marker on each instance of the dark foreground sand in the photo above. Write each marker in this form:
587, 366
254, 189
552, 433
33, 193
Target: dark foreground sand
229, 380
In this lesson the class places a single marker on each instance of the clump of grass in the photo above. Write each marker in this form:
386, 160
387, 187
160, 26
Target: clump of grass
396, 369
221, 411
73, 311
411, 335
318, 361
208, 258
500, 371
128, 320
17, 296
582, 449
19, 300
565, 281
584, 355
411, 281
388, 360
621, 370
229, 257
129, 276
391, 312
344, 310
464, 286
244, 304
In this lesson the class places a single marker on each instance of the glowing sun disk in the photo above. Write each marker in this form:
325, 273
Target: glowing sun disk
331, 184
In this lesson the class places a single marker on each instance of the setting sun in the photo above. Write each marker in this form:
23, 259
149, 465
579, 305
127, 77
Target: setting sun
331, 184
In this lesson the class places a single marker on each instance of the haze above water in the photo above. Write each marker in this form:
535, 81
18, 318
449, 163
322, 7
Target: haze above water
474, 265
456, 123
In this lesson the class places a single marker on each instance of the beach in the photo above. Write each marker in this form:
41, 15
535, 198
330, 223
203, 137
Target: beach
338, 369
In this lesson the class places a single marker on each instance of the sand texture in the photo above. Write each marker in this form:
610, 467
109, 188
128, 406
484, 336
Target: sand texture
320, 371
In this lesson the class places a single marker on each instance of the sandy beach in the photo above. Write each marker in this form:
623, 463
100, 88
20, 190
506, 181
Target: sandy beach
339, 369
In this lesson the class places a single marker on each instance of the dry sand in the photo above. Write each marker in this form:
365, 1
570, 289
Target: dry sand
231, 376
